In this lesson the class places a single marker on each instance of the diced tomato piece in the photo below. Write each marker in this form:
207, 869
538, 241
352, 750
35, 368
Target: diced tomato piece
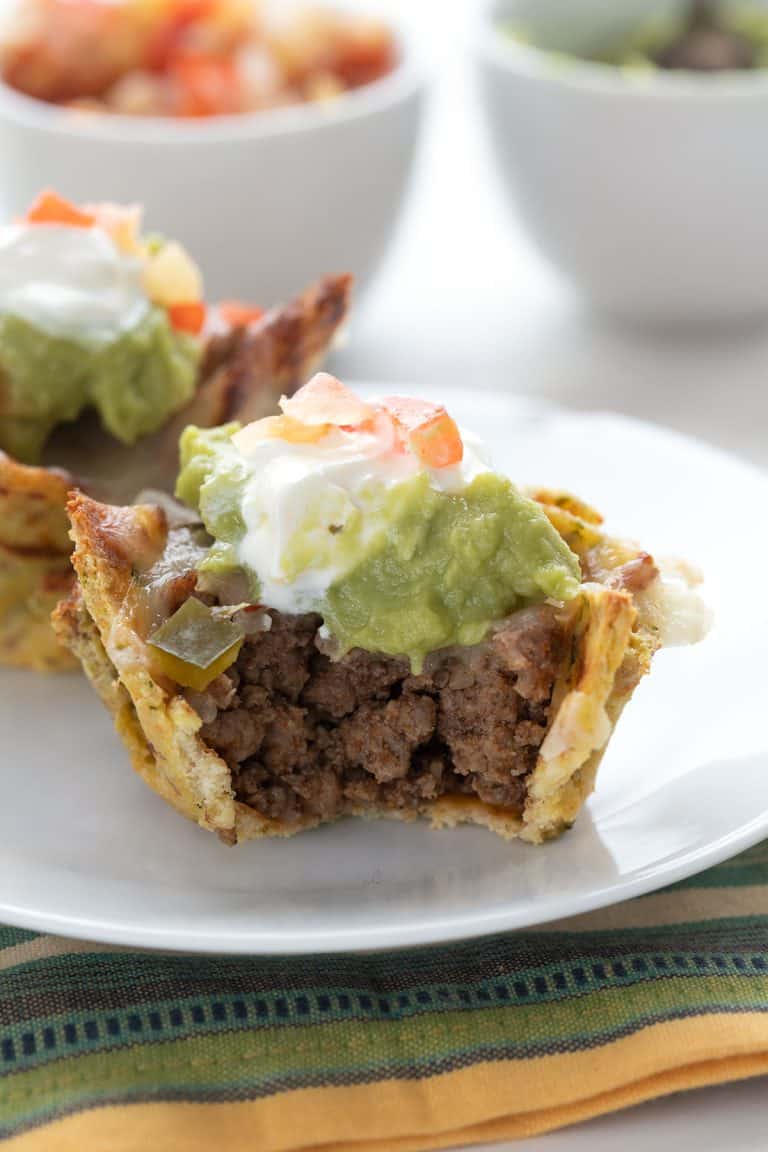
50, 208
325, 400
166, 39
409, 412
366, 58
65, 50
382, 426
279, 428
161, 47
438, 445
206, 85
431, 433
121, 222
187, 317
238, 315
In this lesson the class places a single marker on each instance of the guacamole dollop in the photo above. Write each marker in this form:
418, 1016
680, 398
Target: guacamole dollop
410, 568
134, 381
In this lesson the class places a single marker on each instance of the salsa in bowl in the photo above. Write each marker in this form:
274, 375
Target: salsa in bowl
189, 58
266, 198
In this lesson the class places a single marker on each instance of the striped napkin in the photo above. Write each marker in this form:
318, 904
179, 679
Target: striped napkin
104, 1050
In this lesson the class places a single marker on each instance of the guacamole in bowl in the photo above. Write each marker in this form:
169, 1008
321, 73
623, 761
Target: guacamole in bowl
702, 36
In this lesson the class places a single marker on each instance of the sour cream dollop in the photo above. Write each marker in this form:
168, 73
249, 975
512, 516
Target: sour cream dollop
314, 491
71, 282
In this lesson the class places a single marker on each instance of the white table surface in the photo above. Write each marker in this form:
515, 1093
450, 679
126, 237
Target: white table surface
464, 301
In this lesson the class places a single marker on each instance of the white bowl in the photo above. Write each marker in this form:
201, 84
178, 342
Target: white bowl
265, 202
649, 191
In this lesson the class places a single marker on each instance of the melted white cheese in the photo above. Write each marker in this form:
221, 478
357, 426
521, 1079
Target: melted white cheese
330, 480
70, 282
675, 607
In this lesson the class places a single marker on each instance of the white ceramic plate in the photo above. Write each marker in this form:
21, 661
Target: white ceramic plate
86, 850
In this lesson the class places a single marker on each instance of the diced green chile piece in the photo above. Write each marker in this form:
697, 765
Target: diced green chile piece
194, 646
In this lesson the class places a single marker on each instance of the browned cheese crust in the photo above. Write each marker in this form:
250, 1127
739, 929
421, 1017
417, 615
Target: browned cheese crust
243, 375
607, 648
35, 570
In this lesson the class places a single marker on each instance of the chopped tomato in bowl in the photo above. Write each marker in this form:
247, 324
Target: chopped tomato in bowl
189, 58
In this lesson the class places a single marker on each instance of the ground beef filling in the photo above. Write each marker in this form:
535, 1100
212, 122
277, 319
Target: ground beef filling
305, 736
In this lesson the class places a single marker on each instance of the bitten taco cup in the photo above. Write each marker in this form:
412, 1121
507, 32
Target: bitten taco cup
359, 616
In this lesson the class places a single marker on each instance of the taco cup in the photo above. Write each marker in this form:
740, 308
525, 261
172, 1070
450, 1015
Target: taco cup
354, 614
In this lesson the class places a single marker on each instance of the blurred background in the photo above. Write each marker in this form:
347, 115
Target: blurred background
465, 300
657, 202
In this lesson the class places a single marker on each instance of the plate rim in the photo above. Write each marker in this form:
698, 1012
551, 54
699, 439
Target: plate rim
436, 934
